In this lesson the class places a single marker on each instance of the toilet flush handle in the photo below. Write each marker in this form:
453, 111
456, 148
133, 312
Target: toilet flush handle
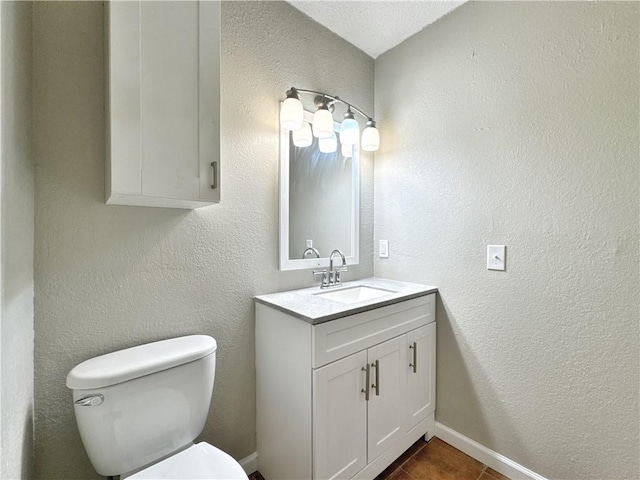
90, 401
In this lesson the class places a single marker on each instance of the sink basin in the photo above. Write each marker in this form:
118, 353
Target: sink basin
355, 294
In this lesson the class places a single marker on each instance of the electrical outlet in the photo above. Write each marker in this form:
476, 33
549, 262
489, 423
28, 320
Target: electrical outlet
383, 250
496, 257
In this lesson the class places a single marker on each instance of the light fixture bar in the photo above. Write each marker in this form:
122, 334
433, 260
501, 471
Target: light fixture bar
291, 118
334, 98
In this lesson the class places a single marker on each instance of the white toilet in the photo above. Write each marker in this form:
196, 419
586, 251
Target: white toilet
139, 410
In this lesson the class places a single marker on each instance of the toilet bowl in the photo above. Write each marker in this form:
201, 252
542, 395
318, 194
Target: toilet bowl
139, 410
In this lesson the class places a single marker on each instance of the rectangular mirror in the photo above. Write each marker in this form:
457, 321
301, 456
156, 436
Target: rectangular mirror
319, 202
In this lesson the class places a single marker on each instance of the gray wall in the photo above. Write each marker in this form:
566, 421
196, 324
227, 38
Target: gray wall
517, 123
16, 240
109, 277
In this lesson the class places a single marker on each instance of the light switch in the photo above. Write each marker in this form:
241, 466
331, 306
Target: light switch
496, 257
383, 251
309, 243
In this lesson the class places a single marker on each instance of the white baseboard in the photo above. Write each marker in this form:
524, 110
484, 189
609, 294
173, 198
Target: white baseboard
492, 459
250, 463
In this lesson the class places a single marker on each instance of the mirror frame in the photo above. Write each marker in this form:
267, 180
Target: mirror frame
299, 264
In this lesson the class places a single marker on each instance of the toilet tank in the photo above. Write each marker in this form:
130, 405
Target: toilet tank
139, 405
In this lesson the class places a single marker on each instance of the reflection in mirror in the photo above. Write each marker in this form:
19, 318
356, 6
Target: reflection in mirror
319, 194
319, 203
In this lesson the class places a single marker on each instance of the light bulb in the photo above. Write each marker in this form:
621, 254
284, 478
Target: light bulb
322, 123
349, 129
302, 137
346, 150
291, 113
328, 144
370, 137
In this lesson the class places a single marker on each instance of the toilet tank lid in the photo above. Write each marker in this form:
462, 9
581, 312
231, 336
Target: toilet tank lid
134, 362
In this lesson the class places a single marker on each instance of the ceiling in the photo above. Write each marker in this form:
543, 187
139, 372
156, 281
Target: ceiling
375, 26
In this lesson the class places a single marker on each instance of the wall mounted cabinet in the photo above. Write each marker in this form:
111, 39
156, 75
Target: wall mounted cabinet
343, 398
163, 103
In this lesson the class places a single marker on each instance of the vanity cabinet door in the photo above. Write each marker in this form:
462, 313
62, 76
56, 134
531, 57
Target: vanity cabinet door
421, 373
387, 419
340, 418
163, 107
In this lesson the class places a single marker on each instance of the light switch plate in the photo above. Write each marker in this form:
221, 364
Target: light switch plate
309, 243
383, 250
496, 257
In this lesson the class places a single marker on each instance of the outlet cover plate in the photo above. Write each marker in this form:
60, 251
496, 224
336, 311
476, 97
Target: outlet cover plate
496, 257
383, 250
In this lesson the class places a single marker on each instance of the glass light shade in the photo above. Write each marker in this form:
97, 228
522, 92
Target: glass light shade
346, 150
370, 139
291, 114
302, 137
323, 124
349, 132
328, 144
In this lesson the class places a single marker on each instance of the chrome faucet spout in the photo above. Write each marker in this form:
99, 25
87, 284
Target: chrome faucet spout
339, 252
334, 274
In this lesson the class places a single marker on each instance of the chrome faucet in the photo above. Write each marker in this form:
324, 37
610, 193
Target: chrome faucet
336, 272
332, 277
311, 250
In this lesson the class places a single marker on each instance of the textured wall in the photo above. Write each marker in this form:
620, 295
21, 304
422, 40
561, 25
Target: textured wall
517, 123
109, 277
16, 240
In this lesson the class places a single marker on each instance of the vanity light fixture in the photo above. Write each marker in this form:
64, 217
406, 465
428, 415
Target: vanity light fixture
292, 113
370, 137
291, 118
349, 129
322, 124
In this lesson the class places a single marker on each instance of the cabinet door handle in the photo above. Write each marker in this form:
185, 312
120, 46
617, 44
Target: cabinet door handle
376, 365
214, 166
366, 382
414, 347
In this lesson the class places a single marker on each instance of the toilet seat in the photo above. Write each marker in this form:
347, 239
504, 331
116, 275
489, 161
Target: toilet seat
200, 461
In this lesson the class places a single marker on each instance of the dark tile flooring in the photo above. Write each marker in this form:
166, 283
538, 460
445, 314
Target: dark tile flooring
435, 460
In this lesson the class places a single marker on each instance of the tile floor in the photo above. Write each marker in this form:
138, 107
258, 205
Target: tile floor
435, 460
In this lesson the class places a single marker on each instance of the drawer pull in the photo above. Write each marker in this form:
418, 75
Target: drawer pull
414, 347
366, 382
376, 365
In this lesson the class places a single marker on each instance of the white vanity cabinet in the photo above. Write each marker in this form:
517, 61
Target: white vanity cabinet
163, 103
317, 416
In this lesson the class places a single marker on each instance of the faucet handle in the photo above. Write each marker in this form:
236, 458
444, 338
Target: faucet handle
325, 277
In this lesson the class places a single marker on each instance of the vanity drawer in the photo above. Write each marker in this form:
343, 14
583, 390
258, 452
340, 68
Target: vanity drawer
338, 338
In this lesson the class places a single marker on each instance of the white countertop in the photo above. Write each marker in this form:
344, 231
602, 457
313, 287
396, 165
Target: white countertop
310, 307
